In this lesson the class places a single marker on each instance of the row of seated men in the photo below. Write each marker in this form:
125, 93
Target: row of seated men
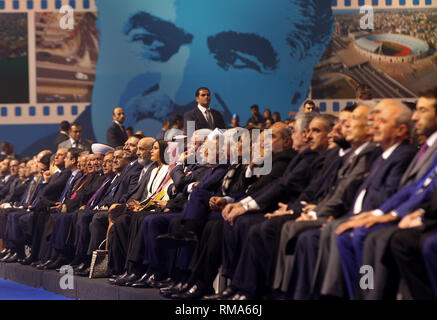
342, 193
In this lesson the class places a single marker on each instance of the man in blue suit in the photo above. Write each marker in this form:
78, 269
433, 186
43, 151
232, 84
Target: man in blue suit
391, 129
406, 200
413, 247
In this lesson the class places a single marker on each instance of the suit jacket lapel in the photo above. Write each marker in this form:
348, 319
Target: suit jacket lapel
200, 119
414, 167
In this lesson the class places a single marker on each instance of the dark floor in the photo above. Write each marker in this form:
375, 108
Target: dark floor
80, 288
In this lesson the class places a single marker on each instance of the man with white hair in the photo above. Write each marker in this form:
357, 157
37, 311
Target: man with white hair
377, 226
134, 274
208, 254
195, 213
126, 251
390, 128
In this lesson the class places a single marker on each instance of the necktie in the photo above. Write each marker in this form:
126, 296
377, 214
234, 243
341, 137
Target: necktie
351, 158
97, 193
36, 193
114, 188
67, 189
209, 118
374, 170
30, 191
77, 187
331, 173
422, 151
228, 179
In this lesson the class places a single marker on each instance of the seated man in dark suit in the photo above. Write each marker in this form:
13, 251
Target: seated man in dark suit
377, 226
413, 248
249, 213
116, 134
203, 116
61, 228
50, 189
14, 196
112, 166
8, 170
184, 184
126, 182
391, 128
182, 175
207, 259
19, 185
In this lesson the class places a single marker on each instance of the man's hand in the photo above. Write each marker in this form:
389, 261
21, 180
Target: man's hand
57, 205
362, 215
282, 210
232, 211
228, 208
160, 203
385, 218
47, 175
131, 205
217, 203
195, 184
412, 220
308, 207
366, 221
305, 217
356, 221
351, 224
330, 218
64, 208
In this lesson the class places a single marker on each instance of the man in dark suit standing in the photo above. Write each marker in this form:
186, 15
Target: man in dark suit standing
203, 116
116, 134
64, 128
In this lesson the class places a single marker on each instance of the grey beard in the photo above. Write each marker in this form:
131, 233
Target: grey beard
143, 162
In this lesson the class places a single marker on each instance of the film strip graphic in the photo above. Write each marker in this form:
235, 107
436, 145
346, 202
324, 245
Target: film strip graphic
25, 5
335, 105
47, 112
49, 5
383, 4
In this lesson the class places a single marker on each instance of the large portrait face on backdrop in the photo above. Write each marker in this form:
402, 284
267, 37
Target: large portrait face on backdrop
153, 55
